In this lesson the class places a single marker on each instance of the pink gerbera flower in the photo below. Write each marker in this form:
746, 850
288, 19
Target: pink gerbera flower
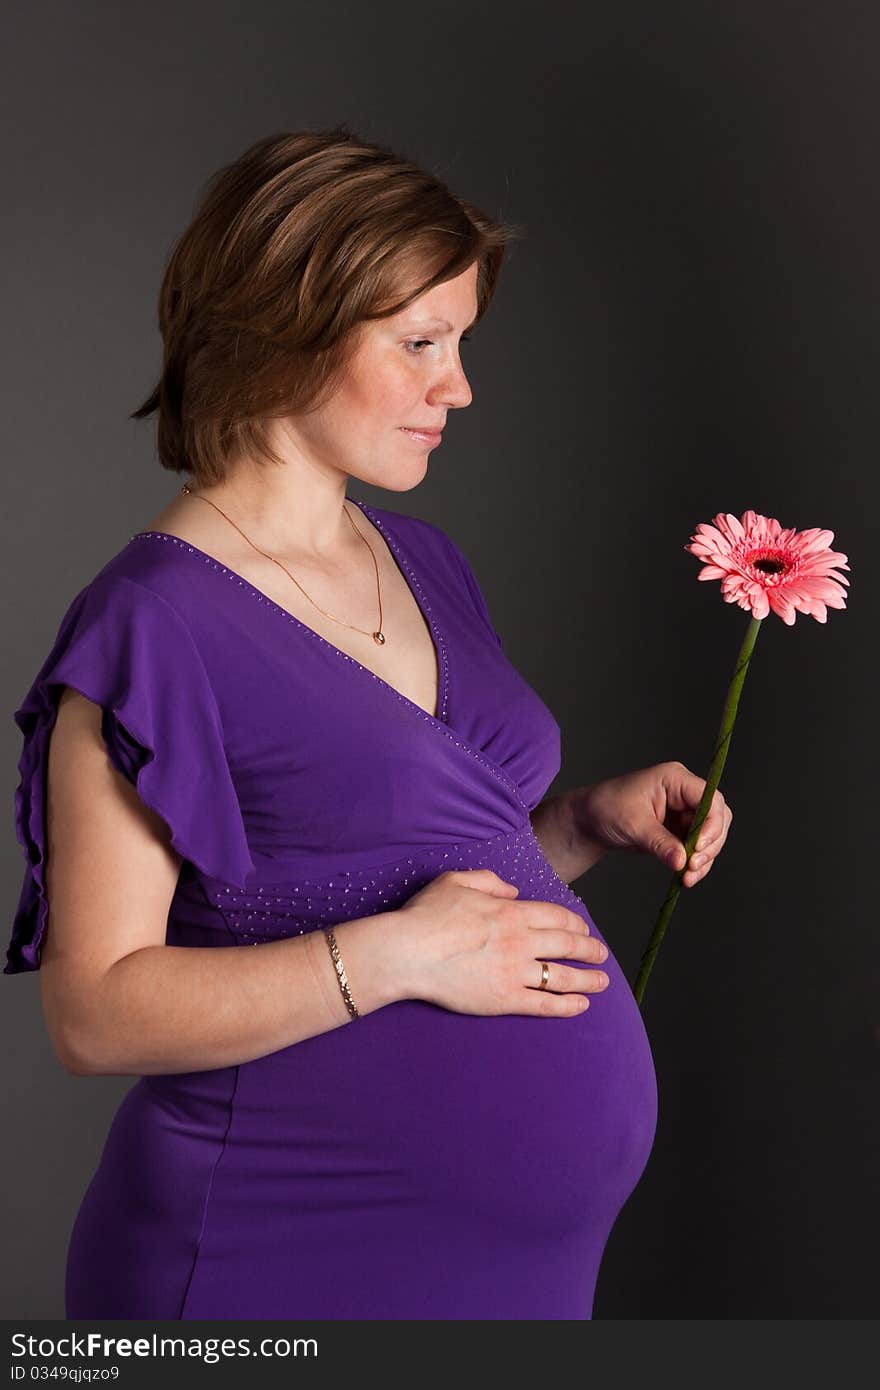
762, 567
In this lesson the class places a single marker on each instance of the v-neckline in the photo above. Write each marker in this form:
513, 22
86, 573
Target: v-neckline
410, 578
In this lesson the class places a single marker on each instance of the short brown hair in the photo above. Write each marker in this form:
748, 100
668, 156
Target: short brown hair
300, 239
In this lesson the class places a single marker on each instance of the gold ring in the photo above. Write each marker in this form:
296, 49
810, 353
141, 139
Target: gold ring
545, 974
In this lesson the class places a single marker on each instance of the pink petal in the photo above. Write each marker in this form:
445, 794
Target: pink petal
781, 605
823, 559
819, 586
814, 539
711, 538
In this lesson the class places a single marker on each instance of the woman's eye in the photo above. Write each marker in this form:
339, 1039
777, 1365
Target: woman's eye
415, 344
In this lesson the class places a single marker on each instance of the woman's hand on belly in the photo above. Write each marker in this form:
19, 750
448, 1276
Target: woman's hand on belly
467, 944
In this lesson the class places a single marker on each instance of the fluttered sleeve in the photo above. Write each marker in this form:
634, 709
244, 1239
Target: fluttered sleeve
127, 649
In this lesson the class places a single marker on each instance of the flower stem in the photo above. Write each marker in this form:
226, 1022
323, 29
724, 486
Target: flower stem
728, 719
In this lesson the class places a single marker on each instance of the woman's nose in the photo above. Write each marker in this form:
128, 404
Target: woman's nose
453, 388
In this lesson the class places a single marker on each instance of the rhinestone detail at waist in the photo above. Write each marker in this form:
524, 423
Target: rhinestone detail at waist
272, 911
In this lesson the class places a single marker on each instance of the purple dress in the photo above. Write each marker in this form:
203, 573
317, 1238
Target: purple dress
412, 1163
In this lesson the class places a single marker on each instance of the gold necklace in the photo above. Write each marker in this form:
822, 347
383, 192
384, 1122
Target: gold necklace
378, 636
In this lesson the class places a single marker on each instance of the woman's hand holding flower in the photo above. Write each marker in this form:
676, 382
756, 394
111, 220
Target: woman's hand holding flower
653, 810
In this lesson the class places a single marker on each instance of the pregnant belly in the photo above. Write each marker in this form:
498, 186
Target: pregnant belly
428, 1104
422, 1163
510, 1121
458, 1150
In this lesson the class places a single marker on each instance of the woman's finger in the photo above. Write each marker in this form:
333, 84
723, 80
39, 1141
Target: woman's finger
565, 979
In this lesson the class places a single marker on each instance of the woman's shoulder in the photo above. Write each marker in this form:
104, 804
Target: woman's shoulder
437, 552
430, 538
160, 571
125, 627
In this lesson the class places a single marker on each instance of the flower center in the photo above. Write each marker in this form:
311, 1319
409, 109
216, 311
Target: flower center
768, 564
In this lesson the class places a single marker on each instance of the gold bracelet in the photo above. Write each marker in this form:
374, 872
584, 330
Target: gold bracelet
340, 973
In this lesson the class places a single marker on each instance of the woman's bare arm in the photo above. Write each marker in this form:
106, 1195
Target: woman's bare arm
569, 850
116, 999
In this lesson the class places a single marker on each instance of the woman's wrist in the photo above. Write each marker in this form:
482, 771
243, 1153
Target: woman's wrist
365, 955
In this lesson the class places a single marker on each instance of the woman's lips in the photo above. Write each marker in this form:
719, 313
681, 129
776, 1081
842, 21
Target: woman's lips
429, 437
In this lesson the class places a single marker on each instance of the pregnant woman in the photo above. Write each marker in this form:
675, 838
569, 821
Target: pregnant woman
279, 718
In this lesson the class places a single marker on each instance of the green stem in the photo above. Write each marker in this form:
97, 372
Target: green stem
728, 719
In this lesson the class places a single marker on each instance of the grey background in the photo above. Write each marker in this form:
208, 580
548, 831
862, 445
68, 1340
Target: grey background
689, 327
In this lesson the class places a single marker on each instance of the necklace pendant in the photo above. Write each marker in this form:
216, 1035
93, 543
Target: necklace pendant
379, 638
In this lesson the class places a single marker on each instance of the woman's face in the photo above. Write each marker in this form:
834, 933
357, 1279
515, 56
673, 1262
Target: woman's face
406, 374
